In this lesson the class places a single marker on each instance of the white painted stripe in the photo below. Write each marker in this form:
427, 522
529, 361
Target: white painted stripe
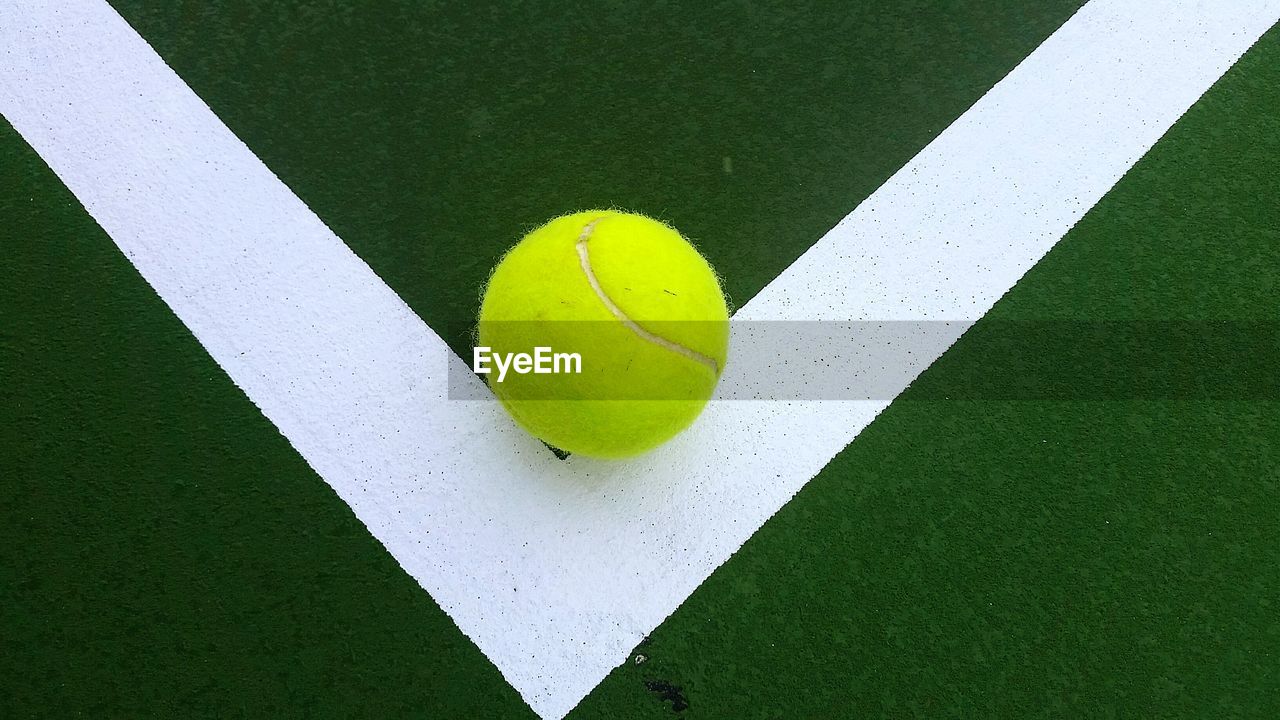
556, 569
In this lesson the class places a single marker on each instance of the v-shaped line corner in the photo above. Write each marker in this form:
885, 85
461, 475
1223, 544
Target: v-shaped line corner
557, 569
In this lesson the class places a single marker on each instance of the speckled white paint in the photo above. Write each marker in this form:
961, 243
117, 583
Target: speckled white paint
557, 569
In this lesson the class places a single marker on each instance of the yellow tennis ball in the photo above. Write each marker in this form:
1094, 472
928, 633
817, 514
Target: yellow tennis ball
635, 302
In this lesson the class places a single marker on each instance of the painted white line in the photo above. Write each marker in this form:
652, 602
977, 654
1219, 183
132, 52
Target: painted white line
556, 569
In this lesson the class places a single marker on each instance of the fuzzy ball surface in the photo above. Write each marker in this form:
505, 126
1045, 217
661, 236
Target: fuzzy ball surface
640, 307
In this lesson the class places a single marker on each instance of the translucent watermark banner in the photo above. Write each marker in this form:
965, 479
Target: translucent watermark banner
869, 360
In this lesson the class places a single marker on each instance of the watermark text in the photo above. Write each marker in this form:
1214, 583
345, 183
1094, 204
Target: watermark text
543, 361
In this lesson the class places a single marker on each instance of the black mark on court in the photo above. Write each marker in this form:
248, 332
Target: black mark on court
667, 692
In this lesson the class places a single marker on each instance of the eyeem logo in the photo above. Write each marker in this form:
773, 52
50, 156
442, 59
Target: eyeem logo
542, 362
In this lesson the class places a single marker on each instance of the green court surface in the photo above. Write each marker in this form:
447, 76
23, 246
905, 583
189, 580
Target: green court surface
165, 552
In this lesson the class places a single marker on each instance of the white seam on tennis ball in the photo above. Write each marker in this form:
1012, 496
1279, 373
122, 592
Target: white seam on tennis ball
584, 260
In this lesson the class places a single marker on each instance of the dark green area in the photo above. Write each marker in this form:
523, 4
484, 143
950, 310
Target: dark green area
1035, 559
432, 135
1134, 359
164, 552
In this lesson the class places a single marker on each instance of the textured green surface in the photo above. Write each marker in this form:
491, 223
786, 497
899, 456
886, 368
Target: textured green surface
1036, 559
163, 552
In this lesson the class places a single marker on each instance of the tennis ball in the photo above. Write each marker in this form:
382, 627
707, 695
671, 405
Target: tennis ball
639, 306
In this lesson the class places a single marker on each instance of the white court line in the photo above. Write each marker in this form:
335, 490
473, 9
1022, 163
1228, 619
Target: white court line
557, 569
